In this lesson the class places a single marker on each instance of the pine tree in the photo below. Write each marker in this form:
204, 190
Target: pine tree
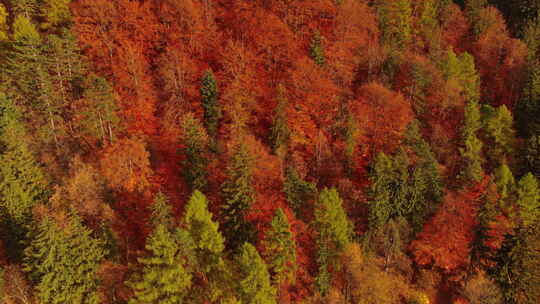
239, 196
498, 128
210, 102
55, 13
208, 247
196, 143
254, 285
63, 261
472, 146
382, 178
395, 21
22, 182
504, 179
165, 276
528, 199
280, 249
298, 191
280, 135
335, 232
316, 49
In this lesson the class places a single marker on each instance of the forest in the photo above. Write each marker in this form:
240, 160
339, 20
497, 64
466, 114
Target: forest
269, 151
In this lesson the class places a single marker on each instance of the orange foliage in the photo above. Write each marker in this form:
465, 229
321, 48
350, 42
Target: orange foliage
382, 116
444, 243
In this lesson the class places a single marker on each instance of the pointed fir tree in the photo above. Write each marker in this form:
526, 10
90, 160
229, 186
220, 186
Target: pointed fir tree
499, 133
472, 10
532, 155
239, 195
505, 181
210, 102
280, 249
382, 178
165, 275
196, 144
395, 23
22, 181
472, 146
299, 192
528, 200
63, 262
316, 49
335, 232
280, 135
55, 13
528, 107
254, 280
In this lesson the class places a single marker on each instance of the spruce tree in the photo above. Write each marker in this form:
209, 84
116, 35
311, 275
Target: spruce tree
499, 133
280, 135
531, 154
254, 280
382, 178
210, 102
196, 144
395, 22
55, 13
335, 232
165, 276
239, 196
473, 9
504, 179
316, 49
63, 260
528, 199
299, 192
528, 107
22, 181
280, 249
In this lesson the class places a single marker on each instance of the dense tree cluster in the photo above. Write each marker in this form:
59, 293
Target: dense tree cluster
269, 151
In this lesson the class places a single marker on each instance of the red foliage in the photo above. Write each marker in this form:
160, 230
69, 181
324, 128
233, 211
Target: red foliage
446, 239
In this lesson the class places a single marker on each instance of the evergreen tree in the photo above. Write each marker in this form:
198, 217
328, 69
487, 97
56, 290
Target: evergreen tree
298, 191
208, 248
239, 196
210, 102
280, 249
22, 182
472, 146
254, 285
335, 232
395, 22
4, 28
316, 49
63, 260
532, 155
473, 9
280, 130
499, 132
383, 178
196, 143
504, 179
528, 200
165, 275
528, 107
55, 13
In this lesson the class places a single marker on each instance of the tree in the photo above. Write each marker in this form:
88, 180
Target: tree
382, 179
239, 195
3, 23
473, 9
498, 127
528, 199
254, 280
316, 49
23, 184
165, 276
504, 179
481, 290
395, 21
532, 155
527, 113
335, 232
472, 146
196, 143
210, 102
280, 249
299, 192
55, 13
62, 260
280, 135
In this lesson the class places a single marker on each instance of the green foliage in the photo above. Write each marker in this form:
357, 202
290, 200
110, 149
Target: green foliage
504, 179
316, 49
298, 191
239, 196
383, 177
22, 181
528, 107
280, 249
473, 9
528, 199
63, 261
395, 21
472, 146
210, 102
3, 23
55, 13
24, 31
499, 133
196, 143
25, 7
254, 280
531, 154
335, 232
165, 276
